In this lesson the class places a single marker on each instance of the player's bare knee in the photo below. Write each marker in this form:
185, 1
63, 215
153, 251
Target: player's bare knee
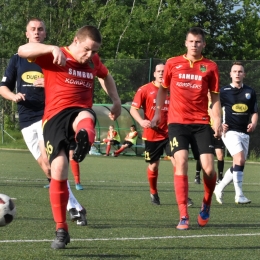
209, 172
240, 162
181, 163
154, 166
80, 116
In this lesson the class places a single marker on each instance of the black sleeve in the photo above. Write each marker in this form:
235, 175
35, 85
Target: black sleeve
221, 96
255, 106
10, 75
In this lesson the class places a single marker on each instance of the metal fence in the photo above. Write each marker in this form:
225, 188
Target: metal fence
129, 76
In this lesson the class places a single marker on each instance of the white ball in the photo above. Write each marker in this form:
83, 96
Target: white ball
7, 210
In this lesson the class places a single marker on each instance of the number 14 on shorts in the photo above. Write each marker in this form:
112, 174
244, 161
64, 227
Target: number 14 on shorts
174, 143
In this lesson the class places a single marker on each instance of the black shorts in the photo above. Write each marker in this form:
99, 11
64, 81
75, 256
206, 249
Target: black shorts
114, 142
198, 136
128, 143
73, 145
154, 150
58, 133
218, 144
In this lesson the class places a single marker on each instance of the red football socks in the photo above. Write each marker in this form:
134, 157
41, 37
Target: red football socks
88, 125
209, 186
108, 149
152, 178
120, 150
59, 196
181, 187
75, 170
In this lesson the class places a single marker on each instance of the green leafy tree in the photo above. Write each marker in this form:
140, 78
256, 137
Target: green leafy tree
140, 29
127, 76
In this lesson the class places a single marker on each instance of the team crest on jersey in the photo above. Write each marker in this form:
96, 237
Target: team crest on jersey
248, 95
203, 68
91, 64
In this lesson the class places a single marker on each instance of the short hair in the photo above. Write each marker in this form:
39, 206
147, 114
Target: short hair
89, 31
196, 31
133, 126
237, 63
161, 63
35, 19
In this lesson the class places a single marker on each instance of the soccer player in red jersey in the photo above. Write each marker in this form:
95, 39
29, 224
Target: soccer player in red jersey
189, 77
156, 139
27, 78
69, 82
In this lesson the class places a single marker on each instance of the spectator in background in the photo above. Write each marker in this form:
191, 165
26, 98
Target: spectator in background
130, 140
113, 138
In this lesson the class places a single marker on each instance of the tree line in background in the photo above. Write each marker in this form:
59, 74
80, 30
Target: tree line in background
139, 34
139, 29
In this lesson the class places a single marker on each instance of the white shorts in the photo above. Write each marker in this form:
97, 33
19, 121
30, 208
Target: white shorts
32, 135
236, 142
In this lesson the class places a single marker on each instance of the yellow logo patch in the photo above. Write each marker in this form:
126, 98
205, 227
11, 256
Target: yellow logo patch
31, 76
240, 108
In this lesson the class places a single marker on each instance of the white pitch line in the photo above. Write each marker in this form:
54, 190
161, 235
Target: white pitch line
133, 238
104, 181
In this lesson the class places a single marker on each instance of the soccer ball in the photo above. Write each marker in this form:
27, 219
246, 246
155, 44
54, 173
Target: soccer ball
7, 210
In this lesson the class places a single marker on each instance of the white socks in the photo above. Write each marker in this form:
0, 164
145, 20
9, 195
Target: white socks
238, 181
228, 178
72, 202
236, 177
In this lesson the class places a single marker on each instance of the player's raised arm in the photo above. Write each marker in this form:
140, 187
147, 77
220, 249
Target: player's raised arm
33, 50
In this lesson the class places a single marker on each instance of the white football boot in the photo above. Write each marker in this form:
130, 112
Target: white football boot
219, 195
242, 200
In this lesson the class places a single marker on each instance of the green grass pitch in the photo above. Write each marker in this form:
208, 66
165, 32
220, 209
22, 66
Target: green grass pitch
122, 223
